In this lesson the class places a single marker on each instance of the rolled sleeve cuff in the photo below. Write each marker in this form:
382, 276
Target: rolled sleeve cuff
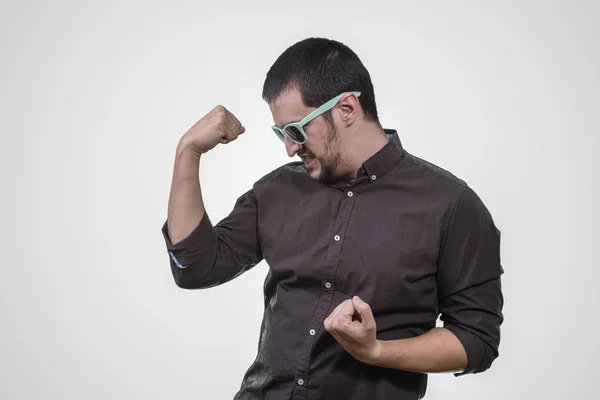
479, 354
193, 247
176, 261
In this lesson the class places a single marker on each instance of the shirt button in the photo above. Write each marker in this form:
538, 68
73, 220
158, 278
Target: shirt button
373, 177
300, 382
336, 237
350, 194
312, 332
328, 285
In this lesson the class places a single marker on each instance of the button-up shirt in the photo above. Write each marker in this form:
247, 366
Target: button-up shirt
411, 239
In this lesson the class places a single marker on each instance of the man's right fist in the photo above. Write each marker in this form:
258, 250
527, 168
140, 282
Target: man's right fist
218, 126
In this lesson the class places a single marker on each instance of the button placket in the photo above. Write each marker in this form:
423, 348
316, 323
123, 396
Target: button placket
324, 303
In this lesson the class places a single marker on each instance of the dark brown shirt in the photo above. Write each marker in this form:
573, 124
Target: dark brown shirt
411, 239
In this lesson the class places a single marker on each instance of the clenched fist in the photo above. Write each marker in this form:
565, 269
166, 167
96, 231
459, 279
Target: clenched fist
352, 324
218, 126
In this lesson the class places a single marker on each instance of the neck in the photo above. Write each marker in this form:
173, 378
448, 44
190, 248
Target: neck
360, 144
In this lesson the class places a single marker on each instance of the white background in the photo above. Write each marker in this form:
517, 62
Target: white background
95, 96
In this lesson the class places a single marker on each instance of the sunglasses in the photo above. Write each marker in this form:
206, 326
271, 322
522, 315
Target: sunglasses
295, 130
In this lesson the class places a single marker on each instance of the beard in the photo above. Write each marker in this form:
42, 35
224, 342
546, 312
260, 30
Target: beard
330, 161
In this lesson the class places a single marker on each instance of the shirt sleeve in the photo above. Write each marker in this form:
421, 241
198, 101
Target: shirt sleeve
212, 255
469, 285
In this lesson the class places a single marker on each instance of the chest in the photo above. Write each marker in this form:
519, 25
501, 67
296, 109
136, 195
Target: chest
376, 242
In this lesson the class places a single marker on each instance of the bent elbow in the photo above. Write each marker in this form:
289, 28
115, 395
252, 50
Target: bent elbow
193, 276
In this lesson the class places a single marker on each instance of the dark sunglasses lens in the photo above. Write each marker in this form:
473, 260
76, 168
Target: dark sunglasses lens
294, 134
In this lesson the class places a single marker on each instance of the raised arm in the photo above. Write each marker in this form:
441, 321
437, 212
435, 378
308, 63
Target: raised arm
186, 207
203, 255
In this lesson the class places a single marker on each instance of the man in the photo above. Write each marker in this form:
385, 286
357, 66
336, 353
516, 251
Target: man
367, 244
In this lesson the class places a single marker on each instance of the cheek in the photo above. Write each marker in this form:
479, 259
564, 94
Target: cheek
312, 148
317, 137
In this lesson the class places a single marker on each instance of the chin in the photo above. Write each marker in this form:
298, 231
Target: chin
315, 174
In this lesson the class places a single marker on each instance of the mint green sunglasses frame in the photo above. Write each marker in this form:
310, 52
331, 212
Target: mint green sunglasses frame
280, 132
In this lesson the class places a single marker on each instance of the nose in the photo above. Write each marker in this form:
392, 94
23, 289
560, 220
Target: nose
291, 147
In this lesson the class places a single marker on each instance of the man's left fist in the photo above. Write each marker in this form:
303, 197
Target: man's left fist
352, 324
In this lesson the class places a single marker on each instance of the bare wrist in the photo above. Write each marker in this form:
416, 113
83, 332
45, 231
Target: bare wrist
375, 356
187, 149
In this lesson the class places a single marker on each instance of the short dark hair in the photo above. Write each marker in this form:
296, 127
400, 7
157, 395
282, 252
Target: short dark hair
321, 69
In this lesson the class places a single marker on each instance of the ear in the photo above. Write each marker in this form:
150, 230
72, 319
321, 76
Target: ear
350, 109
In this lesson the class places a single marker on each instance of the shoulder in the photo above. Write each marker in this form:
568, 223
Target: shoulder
432, 173
290, 173
444, 188
430, 179
284, 171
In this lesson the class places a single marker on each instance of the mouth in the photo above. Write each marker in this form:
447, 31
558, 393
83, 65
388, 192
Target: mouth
309, 162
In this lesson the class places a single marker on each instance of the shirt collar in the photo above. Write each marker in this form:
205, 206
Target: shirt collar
379, 163
382, 161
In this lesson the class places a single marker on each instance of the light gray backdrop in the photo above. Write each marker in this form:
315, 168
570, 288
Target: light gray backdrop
94, 97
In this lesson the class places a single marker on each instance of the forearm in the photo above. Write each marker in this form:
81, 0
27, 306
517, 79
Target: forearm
186, 207
438, 350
